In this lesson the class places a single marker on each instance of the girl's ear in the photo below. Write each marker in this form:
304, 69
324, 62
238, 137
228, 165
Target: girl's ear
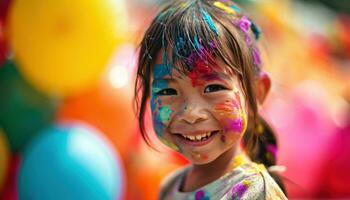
263, 85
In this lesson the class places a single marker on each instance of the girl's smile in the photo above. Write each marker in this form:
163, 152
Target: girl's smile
202, 113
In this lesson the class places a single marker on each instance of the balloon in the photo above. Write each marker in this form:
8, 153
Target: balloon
70, 161
10, 188
4, 158
63, 46
3, 45
106, 108
4, 4
146, 170
23, 110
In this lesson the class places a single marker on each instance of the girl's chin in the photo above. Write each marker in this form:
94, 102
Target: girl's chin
199, 158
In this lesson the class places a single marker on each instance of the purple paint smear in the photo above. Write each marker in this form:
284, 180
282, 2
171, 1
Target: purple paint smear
256, 57
200, 195
234, 125
244, 24
238, 190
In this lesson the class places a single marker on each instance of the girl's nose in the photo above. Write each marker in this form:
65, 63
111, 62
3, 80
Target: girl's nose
193, 114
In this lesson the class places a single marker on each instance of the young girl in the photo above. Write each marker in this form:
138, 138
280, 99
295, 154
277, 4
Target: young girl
200, 69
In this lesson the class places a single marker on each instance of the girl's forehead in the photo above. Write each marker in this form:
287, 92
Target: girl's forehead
177, 69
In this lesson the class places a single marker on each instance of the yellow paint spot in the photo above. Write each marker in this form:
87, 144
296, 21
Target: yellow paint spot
224, 7
239, 160
247, 183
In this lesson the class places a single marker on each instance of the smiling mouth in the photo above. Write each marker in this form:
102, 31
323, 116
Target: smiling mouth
198, 138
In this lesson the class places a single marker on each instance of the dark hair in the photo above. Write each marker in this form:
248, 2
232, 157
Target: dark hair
203, 29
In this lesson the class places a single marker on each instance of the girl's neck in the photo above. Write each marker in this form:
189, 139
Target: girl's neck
201, 175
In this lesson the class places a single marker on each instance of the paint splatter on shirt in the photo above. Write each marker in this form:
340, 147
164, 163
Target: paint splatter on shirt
248, 180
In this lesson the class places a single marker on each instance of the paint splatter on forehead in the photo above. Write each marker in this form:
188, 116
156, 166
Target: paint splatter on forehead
192, 35
184, 40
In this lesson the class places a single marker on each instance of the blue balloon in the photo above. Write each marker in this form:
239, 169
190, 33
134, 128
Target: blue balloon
70, 162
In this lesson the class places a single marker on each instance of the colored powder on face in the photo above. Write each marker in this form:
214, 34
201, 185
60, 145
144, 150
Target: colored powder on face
200, 68
159, 128
160, 71
160, 118
196, 156
234, 125
159, 85
156, 105
207, 18
223, 139
231, 116
169, 144
228, 108
164, 114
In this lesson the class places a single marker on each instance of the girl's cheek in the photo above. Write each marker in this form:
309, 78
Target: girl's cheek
161, 115
232, 118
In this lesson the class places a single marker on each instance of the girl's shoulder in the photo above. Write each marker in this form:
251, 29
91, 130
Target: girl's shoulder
252, 181
247, 181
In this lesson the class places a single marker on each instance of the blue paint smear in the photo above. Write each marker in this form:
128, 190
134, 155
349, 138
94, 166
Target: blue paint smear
159, 85
256, 30
160, 71
196, 43
207, 18
234, 7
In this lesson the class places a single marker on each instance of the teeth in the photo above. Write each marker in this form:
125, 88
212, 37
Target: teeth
197, 137
191, 137
208, 134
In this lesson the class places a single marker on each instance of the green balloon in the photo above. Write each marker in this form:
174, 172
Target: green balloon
23, 110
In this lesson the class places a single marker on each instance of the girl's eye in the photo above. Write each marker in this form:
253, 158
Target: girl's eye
214, 88
167, 92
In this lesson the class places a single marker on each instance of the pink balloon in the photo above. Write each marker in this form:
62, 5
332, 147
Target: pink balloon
304, 127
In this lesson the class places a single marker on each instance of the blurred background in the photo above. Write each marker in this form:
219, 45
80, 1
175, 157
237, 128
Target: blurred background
67, 126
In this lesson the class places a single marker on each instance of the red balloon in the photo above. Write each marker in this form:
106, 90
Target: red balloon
4, 5
10, 187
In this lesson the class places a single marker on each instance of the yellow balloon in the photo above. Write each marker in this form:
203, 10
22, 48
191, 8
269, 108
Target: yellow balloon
4, 158
63, 46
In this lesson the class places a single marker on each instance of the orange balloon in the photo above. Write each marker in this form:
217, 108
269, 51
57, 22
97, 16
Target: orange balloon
4, 158
108, 109
145, 171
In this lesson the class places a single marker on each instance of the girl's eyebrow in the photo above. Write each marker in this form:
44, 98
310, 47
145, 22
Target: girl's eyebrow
215, 76
166, 78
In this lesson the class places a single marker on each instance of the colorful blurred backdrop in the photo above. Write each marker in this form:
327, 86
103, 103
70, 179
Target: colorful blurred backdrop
67, 124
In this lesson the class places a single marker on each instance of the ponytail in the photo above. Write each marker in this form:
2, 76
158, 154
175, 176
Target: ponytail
261, 145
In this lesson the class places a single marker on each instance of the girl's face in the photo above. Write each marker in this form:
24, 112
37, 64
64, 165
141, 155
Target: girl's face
201, 114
